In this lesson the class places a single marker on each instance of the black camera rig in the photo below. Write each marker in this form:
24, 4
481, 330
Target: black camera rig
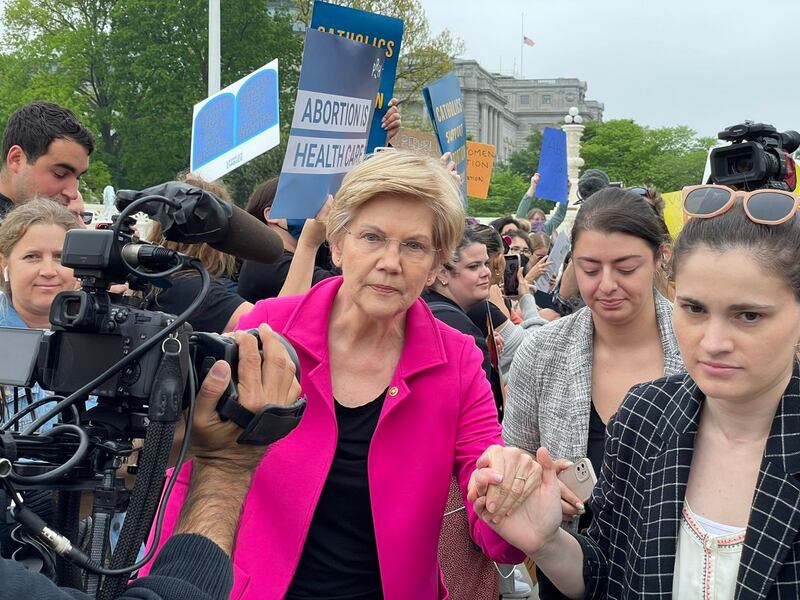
758, 157
143, 367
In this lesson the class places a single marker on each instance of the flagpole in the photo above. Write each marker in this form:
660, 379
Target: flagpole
521, 46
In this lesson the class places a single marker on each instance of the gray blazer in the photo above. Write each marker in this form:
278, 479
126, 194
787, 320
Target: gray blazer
549, 393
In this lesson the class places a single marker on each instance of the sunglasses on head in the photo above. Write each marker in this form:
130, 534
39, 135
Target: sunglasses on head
767, 207
85, 217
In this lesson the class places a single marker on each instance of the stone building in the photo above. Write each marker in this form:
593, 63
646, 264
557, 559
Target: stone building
503, 110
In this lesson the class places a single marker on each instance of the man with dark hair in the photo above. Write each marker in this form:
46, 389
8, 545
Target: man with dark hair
45, 152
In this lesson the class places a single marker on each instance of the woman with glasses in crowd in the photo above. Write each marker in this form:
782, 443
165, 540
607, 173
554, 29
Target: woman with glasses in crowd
569, 378
698, 495
351, 503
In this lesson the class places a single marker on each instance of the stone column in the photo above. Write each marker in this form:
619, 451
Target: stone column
484, 136
574, 163
499, 148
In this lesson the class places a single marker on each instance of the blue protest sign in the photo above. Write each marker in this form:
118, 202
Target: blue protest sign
332, 116
368, 28
446, 110
554, 183
236, 124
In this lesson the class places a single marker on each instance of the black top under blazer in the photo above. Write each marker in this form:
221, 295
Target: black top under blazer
629, 550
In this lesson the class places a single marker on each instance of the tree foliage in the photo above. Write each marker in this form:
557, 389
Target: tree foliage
667, 157
133, 70
524, 162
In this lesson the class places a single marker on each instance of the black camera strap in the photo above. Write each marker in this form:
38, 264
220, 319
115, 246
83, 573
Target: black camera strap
268, 425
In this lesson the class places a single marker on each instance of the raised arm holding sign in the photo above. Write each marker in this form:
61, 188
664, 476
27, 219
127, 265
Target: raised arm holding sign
553, 167
368, 28
446, 110
333, 112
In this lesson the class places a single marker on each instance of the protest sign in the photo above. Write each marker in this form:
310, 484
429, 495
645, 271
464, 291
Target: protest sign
554, 183
418, 142
480, 161
368, 28
673, 212
332, 116
236, 124
556, 257
446, 110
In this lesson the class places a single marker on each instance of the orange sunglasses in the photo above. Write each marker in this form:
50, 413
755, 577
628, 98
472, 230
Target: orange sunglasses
767, 206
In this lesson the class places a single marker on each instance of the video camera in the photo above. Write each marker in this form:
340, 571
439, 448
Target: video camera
138, 363
758, 157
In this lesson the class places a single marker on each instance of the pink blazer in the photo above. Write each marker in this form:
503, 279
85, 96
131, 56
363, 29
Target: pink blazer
437, 419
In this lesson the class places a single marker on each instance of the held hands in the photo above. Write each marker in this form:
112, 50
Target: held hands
261, 382
502, 481
539, 516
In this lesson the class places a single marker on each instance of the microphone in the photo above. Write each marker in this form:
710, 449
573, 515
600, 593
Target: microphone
203, 217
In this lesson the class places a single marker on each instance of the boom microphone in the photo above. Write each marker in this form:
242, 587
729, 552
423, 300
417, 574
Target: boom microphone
203, 217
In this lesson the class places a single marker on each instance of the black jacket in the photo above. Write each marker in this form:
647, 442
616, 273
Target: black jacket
188, 567
629, 550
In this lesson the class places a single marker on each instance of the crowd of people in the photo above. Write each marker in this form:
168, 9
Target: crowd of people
443, 411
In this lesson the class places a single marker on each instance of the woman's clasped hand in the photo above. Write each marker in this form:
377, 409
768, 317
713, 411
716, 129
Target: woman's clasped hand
521, 498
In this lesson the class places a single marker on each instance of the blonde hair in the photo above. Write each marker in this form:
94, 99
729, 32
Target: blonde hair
39, 211
218, 264
410, 176
538, 240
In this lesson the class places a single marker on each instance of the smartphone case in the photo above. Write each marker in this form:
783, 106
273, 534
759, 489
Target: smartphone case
579, 478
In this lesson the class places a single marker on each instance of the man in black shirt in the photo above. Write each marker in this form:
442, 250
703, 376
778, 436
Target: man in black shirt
195, 563
45, 152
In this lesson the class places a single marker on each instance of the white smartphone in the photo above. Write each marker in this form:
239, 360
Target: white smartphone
579, 478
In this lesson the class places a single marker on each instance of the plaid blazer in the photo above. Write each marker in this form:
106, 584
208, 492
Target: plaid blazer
549, 394
629, 550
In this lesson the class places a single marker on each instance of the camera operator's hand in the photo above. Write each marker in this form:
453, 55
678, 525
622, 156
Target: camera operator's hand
222, 469
271, 381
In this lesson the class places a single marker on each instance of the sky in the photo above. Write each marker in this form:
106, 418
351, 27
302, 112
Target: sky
707, 64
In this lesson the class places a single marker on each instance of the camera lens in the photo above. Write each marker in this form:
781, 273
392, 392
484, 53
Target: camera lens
742, 164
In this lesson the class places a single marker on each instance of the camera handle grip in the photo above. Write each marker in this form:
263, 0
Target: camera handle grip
272, 422
268, 425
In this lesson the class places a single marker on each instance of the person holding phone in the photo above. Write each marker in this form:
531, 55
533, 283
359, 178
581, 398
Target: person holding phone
698, 493
569, 378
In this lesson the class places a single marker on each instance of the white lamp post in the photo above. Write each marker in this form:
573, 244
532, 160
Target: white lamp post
573, 127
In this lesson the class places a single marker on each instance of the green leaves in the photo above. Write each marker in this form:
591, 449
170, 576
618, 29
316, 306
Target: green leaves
132, 71
668, 157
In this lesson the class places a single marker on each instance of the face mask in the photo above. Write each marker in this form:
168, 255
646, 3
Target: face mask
295, 227
537, 226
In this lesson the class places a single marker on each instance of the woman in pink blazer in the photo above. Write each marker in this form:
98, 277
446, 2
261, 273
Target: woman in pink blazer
349, 506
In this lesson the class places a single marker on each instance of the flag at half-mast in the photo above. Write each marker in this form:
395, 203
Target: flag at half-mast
527, 41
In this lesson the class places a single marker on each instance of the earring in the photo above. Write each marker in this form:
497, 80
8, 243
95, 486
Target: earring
443, 282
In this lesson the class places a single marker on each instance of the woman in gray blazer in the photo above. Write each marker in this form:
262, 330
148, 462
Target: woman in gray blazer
569, 378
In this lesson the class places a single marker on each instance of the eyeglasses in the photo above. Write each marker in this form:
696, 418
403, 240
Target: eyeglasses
522, 251
85, 217
767, 207
370, 241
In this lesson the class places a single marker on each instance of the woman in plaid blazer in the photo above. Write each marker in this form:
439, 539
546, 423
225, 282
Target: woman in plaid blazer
699, 495
570, 377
